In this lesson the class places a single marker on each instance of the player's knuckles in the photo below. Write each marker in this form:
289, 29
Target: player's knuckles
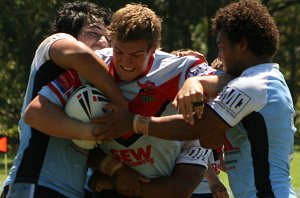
198, 94
174, 103
98, 132
179, 101
98, 120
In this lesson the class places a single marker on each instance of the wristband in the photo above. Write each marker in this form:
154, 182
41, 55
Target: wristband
109, 165
141, 124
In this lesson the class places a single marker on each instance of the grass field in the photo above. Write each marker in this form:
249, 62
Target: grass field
295, 170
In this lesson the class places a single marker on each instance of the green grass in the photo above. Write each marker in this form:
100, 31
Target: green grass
2, 179
295, 169
3, 175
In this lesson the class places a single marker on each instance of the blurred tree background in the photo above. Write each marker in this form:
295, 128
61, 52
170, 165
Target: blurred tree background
186, 24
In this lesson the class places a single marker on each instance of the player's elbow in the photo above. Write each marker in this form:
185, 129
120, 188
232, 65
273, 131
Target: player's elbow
212, 141
179, 193
210, 145
182, 192
28, 115
31, 112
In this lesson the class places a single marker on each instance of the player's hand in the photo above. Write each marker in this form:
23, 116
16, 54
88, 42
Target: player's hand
112, 125
98, 182
114, 107
191, 53
218, 189
190, 99
128, 181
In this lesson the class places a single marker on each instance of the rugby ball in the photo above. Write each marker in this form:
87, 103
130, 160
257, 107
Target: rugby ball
86, 103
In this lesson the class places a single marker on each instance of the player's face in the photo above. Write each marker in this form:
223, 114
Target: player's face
93, 37
131, 58
229, 54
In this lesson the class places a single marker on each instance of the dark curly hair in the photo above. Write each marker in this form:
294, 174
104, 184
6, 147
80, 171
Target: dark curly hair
71, 17
251, 20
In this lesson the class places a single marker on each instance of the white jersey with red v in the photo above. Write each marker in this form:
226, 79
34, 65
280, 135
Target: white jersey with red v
150, 95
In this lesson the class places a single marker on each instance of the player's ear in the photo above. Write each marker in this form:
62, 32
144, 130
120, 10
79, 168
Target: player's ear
153, 48
243, 44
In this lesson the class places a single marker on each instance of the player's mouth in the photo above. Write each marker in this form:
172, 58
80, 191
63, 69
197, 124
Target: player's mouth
128, 69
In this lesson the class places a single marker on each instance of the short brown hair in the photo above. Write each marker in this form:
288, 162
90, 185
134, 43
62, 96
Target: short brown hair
136, 22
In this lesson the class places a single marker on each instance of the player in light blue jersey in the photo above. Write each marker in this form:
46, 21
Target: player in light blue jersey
254, 112
47, 166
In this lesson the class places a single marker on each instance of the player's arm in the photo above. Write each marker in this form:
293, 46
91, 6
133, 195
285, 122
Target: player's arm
70, 54
49, 118
181, 183
125, 180
210, 129
189, 171
45, 112
198, 89
189, 52
219, 116
216, 186
222, 162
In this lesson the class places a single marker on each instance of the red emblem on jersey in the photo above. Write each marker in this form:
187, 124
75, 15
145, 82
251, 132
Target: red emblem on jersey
147, 91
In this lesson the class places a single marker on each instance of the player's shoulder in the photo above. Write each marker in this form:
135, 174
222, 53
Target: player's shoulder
167, 59
247, 88
252, 85
104, 53
254, 78
160, 56
46, 44
55, 37
61, 36
165, 55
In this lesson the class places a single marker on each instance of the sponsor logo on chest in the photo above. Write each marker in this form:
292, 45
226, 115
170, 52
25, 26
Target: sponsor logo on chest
134, 157
233, 100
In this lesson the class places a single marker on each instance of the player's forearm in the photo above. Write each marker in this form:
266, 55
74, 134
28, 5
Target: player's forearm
101, 79
172, 127
181, 183
96, 155
77, 56
48, 118
212, 85
210, 175
216, 186
209, 129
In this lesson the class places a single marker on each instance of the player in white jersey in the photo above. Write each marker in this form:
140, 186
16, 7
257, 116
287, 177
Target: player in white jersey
254, 111
40, 168
149, 79
148, 95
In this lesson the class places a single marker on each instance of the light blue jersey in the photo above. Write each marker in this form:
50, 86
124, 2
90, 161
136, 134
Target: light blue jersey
259, 107
54, 163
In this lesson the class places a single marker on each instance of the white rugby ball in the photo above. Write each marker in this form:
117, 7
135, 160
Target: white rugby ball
86, 103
